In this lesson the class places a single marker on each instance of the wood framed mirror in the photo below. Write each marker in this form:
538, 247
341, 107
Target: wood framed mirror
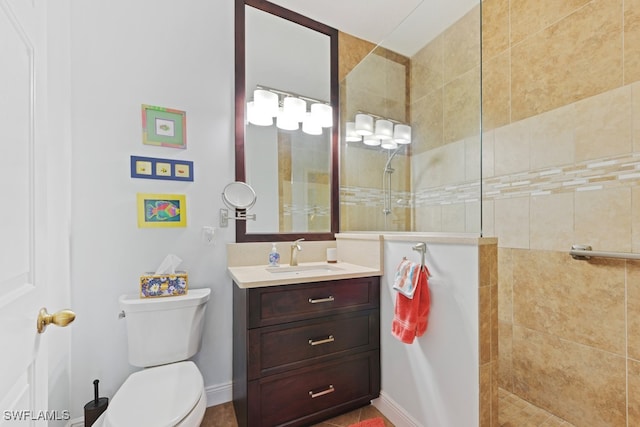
296, 176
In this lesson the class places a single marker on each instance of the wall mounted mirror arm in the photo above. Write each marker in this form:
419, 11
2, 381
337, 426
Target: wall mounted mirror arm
239, 197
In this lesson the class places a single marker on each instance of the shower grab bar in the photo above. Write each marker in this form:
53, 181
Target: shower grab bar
585, 252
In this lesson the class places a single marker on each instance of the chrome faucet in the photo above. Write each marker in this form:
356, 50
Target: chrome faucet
295, 247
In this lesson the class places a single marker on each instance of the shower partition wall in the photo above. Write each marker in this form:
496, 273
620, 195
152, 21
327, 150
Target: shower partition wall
433, 184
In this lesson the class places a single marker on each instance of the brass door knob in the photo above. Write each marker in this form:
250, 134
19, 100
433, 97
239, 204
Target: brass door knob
61, 318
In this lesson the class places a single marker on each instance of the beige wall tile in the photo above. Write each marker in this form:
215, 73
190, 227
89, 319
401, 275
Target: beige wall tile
485, 395
488, 223
635, 115
512, 222
472, 216
552, 138
351, 51
428, 218
635, 220
453, 218
505, 284
505, 359
427, 130
552, 222
603, 125
634, 393
583, 385
583, 302
511, 149
603, 219
484, 320
633, 310
631, 41
496, 91
495, 27
462, 45
461, 106
575, 58
529, 17
488, 150
427, 67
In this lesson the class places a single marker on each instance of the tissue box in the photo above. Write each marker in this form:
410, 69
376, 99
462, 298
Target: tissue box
163, 285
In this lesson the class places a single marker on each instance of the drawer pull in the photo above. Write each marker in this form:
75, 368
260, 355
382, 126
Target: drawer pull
327, 340
330, 298
323, 392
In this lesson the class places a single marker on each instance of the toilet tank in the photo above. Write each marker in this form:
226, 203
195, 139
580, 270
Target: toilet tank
164, 330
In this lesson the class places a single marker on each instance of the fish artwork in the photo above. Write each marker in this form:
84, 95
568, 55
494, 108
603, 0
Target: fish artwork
162, 210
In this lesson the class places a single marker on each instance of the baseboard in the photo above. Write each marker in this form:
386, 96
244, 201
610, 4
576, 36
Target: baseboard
218, 394
394, 412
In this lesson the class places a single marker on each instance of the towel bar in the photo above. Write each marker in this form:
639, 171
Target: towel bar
585, 252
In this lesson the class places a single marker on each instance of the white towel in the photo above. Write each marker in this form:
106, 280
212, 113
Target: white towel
406, 278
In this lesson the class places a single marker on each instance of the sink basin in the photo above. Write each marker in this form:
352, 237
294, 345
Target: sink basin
298, 269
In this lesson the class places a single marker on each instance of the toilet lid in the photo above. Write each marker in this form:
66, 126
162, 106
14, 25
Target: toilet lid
159, 396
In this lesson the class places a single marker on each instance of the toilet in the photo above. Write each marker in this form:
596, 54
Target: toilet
162, 334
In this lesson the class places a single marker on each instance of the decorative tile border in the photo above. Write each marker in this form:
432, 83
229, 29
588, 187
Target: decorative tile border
598, 174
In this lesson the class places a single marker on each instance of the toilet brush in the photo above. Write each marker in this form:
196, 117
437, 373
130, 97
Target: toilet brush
95, 407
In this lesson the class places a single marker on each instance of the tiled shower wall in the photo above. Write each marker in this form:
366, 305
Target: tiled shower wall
561, 165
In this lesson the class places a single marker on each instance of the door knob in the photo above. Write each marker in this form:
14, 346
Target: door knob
61, 318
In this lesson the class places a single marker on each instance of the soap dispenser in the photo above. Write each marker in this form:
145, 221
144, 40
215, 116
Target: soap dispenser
274, 256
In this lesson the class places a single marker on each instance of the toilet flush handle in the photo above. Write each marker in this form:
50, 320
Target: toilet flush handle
122, 315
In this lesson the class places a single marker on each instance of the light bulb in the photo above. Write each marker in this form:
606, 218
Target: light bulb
323, 113
384, 129
350, 133
254, 116
402, 134
364, 124
310, 125
285, 121
265, 102
295, 108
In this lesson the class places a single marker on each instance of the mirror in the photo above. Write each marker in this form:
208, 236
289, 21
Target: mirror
294, 170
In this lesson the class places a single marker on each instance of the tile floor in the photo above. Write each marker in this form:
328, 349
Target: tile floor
514, 412
517, 412
223, 416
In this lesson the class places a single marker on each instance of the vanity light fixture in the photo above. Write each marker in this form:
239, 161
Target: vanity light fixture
289, 110
387, 133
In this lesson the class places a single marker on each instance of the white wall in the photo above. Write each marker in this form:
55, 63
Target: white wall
123, 54
435, 380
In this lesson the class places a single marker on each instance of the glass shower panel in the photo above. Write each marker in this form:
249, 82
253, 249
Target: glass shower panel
430, 79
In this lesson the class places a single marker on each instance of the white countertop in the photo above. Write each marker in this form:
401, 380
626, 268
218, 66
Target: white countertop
262, 275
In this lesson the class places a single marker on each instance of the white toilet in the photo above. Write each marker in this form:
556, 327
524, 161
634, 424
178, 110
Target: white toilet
162, 334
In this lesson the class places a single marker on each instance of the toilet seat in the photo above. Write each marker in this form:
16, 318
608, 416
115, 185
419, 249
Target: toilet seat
162, 396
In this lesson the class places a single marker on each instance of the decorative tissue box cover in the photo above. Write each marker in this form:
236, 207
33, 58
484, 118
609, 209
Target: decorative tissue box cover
163, 285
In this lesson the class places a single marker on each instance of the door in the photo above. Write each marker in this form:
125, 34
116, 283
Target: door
25, 250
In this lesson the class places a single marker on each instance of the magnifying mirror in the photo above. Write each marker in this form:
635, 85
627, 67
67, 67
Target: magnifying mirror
238, 196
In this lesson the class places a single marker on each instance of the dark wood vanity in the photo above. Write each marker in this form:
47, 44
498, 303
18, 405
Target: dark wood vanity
303, 353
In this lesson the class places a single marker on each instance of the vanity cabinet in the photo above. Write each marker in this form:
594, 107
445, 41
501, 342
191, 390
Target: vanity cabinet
306, 352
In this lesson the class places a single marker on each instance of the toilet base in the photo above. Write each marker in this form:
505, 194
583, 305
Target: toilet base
193, 418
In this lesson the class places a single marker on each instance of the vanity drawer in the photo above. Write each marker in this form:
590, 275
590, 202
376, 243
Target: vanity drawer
276, 348
305, 395
279, 304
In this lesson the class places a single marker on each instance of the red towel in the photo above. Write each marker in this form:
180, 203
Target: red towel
411, 315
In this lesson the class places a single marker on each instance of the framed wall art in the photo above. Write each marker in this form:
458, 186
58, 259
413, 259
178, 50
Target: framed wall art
164, 127
161, 210
154, 168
